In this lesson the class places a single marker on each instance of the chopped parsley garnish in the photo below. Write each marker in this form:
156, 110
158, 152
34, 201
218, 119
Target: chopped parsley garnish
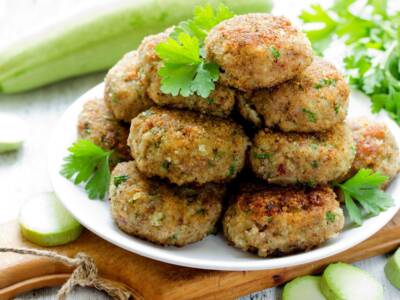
263, 155
314, 164
210, 101
165, 165
120, 179
337, 107
330, 217
88, 163
275, 53
325, 82
363, 197
370, 29
201, 211
232, 169
311, 116
185, 71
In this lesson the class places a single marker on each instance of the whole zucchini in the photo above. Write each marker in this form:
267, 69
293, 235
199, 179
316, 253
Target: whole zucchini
95, 41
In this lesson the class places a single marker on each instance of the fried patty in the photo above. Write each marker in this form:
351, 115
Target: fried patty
97, 124
186, 147
219, 103
163, 213
275, 221
125, 88
315, 100
257, 50
287, 158
376, 148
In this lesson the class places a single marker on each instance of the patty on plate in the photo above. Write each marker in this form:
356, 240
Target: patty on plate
186, 147
315, 100
163, 213
376, 148
288, 158
274, 221
257, 50
125, 88
97, 124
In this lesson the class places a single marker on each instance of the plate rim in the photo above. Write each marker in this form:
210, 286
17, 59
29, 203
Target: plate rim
152, 252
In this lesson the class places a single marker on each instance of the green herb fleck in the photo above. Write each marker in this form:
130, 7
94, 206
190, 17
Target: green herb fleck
311, 116
337, 107
165, 165
156, 219
314, 164
262, 155
275, 53
114, 99
310, 183
325, 82
232, 169
210, 101
330, 217
120, 179
201, 211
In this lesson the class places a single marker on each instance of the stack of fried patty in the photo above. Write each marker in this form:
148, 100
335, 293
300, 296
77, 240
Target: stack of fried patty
185, 150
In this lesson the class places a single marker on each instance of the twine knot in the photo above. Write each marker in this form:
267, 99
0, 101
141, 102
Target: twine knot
85, 273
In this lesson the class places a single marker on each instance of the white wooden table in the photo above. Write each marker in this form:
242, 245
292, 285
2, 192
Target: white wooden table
24, 173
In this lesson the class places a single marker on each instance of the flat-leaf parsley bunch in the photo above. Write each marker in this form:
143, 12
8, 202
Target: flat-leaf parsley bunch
185, 71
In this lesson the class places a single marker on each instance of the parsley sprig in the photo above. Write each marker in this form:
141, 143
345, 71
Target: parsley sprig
185, 71
88, 163
371, 31
363, 197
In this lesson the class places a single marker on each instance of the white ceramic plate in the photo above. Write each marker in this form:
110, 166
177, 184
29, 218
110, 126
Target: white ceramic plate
212, 252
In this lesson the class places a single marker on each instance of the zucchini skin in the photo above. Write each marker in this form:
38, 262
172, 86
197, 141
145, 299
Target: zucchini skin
93, 42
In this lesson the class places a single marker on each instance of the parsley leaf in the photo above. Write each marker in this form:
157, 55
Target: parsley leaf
185, 71
363, 197
321, 37
88, 163
204, 19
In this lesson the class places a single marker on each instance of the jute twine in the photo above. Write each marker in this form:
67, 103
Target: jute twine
85, 273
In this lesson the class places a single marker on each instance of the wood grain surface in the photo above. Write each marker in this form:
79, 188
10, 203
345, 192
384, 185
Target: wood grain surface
20, 273
24, 173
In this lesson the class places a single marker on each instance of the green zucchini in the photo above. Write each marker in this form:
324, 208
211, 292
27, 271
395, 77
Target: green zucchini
392, 269
305, 287
342, 281
44, 221
92, 42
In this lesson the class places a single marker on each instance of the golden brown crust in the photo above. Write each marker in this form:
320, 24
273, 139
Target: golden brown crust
186, 147
125, 88
257, 50
97, 124
162, 213
315, 100
376, 148
272, 221
287, 158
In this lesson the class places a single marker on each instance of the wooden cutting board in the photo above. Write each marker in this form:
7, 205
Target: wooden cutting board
150, 279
